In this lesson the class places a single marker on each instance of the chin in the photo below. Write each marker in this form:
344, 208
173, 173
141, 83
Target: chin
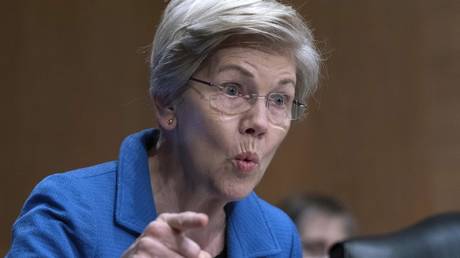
236, 195
237, 189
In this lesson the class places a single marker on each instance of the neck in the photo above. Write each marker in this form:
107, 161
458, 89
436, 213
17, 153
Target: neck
174, 192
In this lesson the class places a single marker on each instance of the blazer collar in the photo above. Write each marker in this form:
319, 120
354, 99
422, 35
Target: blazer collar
135, 206
248, 231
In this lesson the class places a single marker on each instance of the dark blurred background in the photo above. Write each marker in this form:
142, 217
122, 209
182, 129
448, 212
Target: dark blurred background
383, 134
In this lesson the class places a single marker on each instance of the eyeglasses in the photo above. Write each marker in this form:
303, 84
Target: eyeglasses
231, 99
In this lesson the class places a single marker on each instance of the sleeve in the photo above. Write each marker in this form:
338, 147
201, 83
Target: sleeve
53, 222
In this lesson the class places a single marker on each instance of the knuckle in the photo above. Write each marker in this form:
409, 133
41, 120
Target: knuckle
188, 213
204, 254
143, 244
139, 256
180, 221
157, 228
164, 216
190, 249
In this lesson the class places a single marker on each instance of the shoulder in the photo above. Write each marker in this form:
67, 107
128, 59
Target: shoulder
86, 172
57, 217
74, 185
75, 193
81, 178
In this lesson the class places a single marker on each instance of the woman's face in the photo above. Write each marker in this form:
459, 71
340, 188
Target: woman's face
226, 154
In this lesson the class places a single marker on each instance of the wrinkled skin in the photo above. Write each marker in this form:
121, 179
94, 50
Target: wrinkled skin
195, 168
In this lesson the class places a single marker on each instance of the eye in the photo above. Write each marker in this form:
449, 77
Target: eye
278, 99
231, 89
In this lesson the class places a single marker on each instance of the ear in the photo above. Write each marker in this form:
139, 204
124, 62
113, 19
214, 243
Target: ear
166, 114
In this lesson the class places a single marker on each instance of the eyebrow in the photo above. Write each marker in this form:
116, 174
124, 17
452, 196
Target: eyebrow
287, 81
237, 68
249, 74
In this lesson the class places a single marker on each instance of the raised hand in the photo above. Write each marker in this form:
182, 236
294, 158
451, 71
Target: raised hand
165, 237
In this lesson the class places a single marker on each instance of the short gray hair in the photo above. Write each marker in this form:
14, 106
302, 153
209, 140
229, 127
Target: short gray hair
190, 30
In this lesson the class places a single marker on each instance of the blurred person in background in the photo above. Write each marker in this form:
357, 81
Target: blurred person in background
321, 221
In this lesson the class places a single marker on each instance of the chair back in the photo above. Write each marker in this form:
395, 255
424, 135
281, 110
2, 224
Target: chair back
435, 237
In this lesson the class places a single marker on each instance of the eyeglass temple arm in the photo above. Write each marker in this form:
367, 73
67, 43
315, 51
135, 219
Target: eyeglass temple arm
201, 81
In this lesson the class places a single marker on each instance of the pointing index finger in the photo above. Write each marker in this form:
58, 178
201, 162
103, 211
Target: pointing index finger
185, 220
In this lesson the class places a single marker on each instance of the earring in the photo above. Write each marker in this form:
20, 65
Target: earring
170, 121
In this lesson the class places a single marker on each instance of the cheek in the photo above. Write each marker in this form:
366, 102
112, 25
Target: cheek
276, 136
204, 129
281, 129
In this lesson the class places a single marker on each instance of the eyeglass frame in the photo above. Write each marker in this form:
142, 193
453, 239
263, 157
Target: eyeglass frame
300, 108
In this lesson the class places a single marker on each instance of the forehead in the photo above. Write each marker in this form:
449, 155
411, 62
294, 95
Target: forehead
252, 61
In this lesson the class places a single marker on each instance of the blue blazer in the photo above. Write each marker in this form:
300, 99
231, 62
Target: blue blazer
99, 211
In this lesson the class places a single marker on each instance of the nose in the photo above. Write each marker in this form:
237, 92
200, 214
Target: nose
254, 122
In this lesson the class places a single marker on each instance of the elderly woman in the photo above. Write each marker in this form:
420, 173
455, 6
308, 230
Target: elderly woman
227, 79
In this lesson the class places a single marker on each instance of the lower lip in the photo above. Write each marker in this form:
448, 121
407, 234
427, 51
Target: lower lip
245, 166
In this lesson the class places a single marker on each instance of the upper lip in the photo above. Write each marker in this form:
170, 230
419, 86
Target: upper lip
248, 156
